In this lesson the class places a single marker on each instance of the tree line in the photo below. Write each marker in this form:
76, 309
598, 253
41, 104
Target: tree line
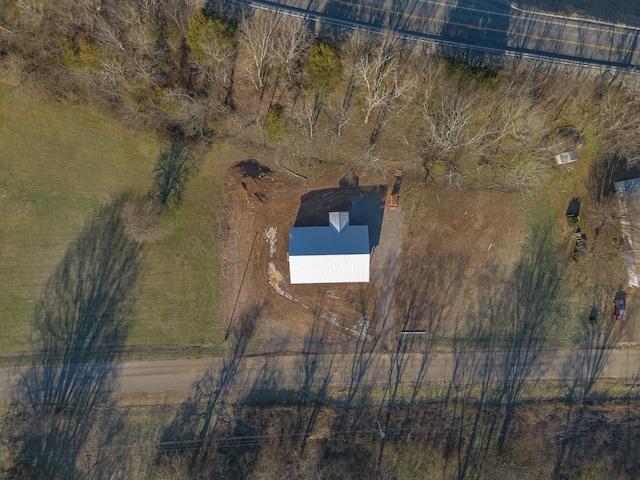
189, 72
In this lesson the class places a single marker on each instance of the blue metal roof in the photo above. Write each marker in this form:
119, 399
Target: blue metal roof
352, 240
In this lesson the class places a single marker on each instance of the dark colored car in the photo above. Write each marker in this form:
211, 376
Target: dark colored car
619, 309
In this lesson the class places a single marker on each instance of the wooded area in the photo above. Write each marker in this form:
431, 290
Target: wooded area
197, 75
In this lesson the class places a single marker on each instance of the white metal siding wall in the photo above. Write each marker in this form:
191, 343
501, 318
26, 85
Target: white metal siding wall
329, 268
628, 200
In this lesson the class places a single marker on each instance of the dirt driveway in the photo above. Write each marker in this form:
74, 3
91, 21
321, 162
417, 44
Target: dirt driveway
630, 329
385, 268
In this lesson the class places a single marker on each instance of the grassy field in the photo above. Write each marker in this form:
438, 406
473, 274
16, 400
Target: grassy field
60, 165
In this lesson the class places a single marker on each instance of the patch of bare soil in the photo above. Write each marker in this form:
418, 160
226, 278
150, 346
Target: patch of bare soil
262, 202
465, 244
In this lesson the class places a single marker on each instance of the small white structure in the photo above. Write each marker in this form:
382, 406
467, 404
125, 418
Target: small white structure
339, 220
336, 253
566, 157
628, 192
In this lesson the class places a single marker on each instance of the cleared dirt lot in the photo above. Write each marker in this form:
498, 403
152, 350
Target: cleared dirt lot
262, 203
442, 263
466, 246
455, 247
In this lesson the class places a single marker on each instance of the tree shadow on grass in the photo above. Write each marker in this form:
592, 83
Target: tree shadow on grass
80, 323
314, 382
588, 436
529, 312
514, 324
582, 376
467, 403
202, 422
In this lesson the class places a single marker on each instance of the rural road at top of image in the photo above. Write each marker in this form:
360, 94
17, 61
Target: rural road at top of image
493, 26
301, 371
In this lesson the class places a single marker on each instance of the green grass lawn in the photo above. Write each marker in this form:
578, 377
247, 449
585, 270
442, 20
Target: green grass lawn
59, 165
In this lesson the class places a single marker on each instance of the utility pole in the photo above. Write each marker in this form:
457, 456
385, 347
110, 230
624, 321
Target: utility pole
226, 335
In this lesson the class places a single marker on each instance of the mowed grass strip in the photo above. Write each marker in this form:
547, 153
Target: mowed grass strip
59, 165
181, 279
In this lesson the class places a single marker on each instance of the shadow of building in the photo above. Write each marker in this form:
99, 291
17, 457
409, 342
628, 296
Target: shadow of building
365, 205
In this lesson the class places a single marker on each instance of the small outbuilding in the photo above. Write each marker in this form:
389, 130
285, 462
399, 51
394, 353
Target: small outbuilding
335, 253
573, 211
566, 157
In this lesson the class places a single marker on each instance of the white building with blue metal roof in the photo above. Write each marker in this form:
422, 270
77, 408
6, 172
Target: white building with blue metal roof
336, 253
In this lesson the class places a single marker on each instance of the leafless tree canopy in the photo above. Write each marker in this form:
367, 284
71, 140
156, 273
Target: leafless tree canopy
145, 62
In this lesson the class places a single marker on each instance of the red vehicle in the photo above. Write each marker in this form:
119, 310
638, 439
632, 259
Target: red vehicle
619, 309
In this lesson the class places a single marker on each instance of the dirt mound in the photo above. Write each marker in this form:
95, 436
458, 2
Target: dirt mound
252, 168
253, 176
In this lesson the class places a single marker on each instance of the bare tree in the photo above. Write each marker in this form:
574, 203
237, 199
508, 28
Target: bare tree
309, 114
218, 68
149, 8
357, 46
499, 129
291, 45
619, 121
108, 34
189, 115
324, 73
32, 12
377, 73
513, 114
395, 97
178, 12
259, 31
449, 119
111, 77
141, 28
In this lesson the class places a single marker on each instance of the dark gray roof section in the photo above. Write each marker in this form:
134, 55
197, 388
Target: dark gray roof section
353, 240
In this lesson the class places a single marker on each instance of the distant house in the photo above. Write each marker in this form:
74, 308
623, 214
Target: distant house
628, 192
336, 253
